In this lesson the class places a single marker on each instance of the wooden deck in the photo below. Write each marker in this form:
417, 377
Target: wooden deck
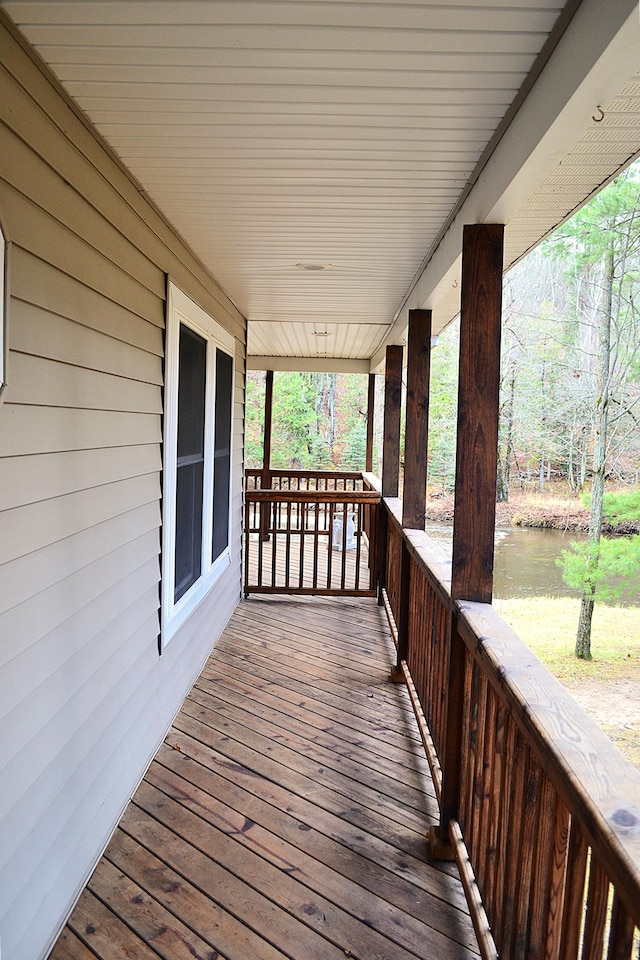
285, 814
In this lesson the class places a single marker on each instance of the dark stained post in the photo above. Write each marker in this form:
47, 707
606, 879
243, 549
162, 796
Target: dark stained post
265, 480
415, 461
417, 420
476, 474
390, 450
371, 400
478, 400
392, 405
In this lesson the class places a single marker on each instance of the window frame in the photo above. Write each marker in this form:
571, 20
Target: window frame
182, 310
4, 310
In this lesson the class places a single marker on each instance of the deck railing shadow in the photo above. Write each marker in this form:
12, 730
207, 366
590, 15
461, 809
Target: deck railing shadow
537, 805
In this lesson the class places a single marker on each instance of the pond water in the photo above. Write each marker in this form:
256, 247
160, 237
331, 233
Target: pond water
525, 559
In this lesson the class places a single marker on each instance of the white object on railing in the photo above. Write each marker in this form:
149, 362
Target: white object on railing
337, 532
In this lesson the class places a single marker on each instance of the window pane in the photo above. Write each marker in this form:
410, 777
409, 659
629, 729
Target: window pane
188, 526
222, 453
190, 463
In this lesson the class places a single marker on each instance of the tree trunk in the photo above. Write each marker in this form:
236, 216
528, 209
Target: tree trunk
510, 423
583, 637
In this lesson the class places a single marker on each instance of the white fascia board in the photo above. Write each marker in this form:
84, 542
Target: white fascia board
592, 61
308, 364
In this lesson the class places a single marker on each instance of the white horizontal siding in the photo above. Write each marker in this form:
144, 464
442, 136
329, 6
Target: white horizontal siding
56, 338
37, 283
84, 695
40, 381
54, 562
30, 529
27, 430
29, 479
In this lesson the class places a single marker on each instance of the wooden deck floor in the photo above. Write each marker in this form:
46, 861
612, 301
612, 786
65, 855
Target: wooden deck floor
285, 814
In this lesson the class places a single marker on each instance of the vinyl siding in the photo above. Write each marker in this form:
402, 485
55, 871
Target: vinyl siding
85, 697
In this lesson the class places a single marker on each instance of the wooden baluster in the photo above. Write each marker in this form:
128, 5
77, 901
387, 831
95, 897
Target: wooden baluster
496, 788
274, 539
345, 539
247, 549
383, 548
596, 917
531, 814
402, 617
261, 538
557, 882
330, 556
484, 854
465, 813
621, 932
359, 524
302, 527
316, 544
506, 916
503, 876
572, 909
544, 854
477, 747
432, 691
375, 516
287, 545
442, 665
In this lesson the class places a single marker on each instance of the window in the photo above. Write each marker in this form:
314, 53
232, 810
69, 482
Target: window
197, 458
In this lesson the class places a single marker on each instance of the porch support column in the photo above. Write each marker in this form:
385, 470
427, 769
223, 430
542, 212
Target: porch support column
415, 461
265, 480
392, 405
416, 434
476, 475
478, 400
371, 400
390, 450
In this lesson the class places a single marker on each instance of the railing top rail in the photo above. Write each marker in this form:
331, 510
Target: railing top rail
312, 496
429, 556
598, 785
319, 474
372, 480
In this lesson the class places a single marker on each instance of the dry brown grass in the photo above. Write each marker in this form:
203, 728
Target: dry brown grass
550, 508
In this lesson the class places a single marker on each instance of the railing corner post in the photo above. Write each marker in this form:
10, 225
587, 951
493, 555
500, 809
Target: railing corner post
383, 532
452, 751
397, 674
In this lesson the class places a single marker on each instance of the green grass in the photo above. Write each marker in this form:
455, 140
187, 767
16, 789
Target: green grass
548, 625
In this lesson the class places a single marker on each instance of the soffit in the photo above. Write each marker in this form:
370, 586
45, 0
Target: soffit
300, 132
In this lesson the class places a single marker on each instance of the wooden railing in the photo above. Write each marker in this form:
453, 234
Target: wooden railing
311, 532
542, 811
306, 480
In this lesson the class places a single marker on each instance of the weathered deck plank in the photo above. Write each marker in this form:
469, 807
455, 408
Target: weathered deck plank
285, 814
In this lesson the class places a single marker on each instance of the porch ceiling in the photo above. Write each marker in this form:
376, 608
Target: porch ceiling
344, 134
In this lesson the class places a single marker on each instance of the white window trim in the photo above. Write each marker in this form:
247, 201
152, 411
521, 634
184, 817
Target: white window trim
3, 311
181, 309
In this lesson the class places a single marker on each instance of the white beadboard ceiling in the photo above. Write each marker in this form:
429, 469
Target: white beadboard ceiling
278, 134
